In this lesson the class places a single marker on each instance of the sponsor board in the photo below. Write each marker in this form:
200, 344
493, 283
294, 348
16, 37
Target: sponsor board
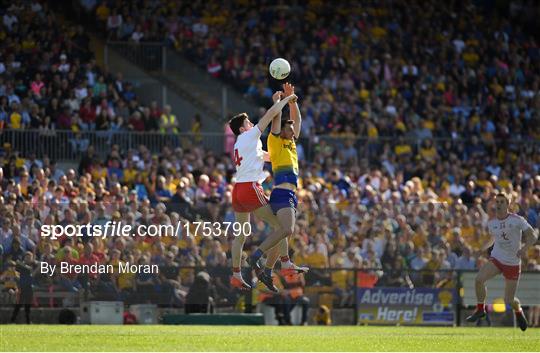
426, 306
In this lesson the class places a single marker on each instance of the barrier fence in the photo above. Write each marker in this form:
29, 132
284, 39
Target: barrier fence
68, 145
353, 296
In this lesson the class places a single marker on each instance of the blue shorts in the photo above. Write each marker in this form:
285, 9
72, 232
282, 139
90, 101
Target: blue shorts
283, 198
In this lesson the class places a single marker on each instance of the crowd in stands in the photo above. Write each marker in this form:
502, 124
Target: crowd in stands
372, 74
454, 70
360, 218
49, 79
399, 213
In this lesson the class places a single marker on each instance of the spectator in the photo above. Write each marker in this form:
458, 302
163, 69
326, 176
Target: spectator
27, 269
168, 123
199, 298
293, 295
465, 261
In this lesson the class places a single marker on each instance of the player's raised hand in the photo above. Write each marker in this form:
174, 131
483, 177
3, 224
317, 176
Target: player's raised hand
288, 89
276, 97
291, 98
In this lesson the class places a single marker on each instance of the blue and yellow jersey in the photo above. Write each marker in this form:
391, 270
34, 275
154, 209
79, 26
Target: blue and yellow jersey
284, 159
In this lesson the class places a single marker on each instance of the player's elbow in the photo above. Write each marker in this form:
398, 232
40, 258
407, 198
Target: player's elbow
531, 237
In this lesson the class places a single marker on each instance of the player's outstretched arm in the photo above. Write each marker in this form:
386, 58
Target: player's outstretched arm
295, 115
272, 112
288, 90
276, 121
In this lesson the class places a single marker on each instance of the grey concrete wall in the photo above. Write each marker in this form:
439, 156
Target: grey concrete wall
149, 88
206, 88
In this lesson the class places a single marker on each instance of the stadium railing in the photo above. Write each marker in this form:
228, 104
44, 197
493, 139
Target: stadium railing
68, 145
354, 296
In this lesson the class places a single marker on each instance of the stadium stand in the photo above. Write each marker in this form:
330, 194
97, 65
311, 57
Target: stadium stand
50, 80
359, 64
407, 149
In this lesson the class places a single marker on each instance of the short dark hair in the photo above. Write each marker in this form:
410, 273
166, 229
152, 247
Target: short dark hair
505, 195
237, 122
285, 122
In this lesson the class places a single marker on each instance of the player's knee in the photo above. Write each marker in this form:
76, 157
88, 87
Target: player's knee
284, 231
288, 231
239, 239
275, 225
479, 280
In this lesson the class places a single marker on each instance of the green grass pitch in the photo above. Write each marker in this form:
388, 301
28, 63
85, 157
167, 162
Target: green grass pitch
263, 338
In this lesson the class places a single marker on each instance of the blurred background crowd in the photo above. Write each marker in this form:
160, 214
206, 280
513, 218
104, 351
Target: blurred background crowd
415, 124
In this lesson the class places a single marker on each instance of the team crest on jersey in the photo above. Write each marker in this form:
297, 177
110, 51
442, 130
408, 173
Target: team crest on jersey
289, 146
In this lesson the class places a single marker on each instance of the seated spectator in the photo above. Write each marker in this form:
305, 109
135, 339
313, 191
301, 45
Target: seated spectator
199, 298
293, 294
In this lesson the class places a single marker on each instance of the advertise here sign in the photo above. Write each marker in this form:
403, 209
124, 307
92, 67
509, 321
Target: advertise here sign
425, 306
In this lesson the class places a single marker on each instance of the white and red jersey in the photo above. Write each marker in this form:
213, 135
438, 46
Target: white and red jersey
507, 233
248, 156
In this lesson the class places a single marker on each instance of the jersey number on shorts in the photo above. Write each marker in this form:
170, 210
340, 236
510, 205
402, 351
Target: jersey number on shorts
237, 158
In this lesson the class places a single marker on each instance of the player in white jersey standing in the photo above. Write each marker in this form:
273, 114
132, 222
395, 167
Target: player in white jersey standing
248, 195
506, 230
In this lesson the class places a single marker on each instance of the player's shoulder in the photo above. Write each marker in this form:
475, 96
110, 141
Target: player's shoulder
492, 220
509, 217
273, 136
243, 137
515, 217
273, 139
251, 134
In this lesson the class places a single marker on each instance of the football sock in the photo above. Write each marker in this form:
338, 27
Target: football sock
237, 273
285, 262
480, 307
